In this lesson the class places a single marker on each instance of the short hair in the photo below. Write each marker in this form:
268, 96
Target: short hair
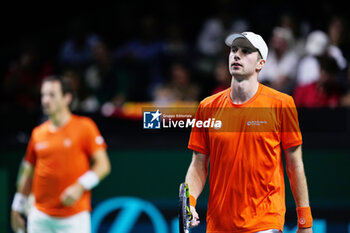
66, 85
259, 56
328, 64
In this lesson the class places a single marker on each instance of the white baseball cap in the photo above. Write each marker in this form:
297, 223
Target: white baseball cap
316, 43
256, 40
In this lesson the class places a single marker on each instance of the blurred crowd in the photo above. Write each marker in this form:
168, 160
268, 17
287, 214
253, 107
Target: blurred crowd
164, 67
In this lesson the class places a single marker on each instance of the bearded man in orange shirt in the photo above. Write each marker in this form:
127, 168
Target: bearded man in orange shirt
246, 179
65, 158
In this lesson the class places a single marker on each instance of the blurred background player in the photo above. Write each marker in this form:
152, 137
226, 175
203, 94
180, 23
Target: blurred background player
246, 192
65, 158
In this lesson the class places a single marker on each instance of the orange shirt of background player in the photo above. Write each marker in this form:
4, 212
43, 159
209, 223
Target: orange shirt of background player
60, 158
246, 177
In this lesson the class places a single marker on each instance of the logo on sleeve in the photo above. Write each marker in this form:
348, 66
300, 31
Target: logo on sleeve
99, 140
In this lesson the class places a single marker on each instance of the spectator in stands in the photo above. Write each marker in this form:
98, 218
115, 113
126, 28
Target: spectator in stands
345, 100
308, 69
299, 30
222, 77
324, 92
76, 50
179, 88
105, 81
141, 58
279, 71
336, 33
75, 80
211, 37
21, 86
317, 45
175, 45
209, 46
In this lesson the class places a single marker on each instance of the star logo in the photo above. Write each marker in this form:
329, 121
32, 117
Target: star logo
151, 120
156, 115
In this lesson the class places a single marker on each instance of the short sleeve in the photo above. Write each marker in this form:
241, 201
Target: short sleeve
30, 155
199, 137
93, 138
291, 135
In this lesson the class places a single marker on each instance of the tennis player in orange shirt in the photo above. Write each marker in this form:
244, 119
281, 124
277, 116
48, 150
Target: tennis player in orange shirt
246, 179
65, 158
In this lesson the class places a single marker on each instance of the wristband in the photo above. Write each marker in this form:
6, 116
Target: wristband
19, 202
304, 217
193, 201
89, 180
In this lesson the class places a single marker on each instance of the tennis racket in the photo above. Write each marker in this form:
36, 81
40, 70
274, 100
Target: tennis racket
185, 215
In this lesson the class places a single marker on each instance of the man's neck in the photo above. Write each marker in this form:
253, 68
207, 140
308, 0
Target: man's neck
242, 90
60, 119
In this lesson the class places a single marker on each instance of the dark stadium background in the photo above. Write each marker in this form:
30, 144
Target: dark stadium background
151, 164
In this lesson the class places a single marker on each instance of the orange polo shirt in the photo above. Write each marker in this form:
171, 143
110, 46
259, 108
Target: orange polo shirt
60, 158
247, 192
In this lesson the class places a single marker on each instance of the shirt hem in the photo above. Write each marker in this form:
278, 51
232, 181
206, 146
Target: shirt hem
250, 230
60, 214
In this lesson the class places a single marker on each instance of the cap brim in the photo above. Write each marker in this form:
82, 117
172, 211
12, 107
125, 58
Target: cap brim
229, 39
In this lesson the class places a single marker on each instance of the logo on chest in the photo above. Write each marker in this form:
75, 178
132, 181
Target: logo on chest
256, 123
67, 142
41, 146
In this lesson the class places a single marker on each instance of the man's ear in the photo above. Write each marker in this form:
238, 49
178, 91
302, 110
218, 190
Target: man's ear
68, 98
260, 64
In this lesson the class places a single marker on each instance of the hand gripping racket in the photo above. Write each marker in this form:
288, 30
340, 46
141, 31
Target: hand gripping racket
185, 215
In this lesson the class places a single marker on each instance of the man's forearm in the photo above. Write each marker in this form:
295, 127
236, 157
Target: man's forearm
25, 177
197, 174
99, 169
24, 187
101, 164
296, 174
